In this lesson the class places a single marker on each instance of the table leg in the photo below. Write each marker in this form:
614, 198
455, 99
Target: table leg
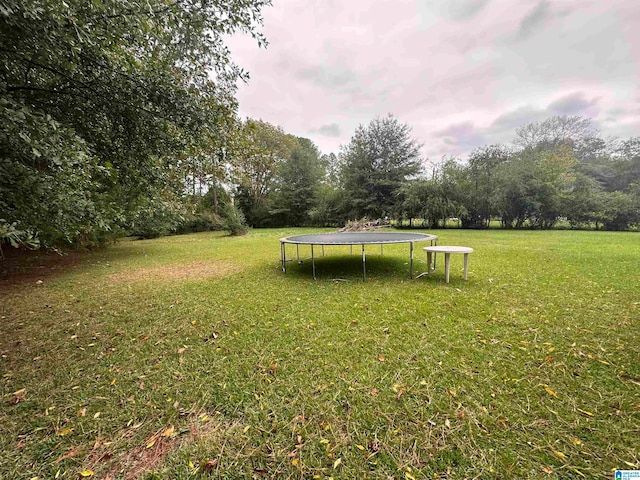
447, 264
466, 264
411, 260
364, 265
313, 263
435, 257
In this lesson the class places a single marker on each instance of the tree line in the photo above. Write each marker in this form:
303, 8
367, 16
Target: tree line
557, 170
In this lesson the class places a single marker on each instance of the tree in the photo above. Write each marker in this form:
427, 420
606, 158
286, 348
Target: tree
582, 201
483, 163
99, 101
297, 185
376, 162
260, 151
555, 131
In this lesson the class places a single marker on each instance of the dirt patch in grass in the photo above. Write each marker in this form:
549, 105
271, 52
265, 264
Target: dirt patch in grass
19, 267
152, 453
143, 459
190, 271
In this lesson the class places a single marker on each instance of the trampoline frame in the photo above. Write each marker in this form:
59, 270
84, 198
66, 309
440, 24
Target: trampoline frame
298, 240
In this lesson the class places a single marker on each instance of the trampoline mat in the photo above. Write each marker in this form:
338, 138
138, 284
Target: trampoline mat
357, 238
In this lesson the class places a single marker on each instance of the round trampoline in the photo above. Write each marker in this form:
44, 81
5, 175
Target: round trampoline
352, 238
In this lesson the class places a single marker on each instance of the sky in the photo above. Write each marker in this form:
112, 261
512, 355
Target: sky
460, 73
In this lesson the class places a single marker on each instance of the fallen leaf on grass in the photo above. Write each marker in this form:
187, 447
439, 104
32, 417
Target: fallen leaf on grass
584, 412
548, 470
558, 454
381, 358
169, 432
408, 476
337, 463
547, 389
86, 473
210, 464
573, 469
295, 461
72, 452
65, 431
17, 396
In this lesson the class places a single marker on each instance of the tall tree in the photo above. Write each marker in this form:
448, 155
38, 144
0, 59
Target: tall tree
99, 99
259, 153
377, 161
297, 185
484, 163
555, 131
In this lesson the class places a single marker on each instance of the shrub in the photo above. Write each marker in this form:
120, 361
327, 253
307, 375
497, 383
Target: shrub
158, 218
234, 221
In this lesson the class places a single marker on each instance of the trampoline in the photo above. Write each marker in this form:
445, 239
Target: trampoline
352, 238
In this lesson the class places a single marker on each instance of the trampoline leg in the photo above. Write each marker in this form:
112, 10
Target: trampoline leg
313, 263
283, 256
323, 250
298, 253
411, 260
364, 265
351, 249
381, 252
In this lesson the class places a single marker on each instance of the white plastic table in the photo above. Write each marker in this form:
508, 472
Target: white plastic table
447, 250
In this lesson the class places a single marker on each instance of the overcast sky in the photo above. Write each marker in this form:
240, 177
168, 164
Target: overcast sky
461, 73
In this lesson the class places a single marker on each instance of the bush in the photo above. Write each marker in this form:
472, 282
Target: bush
234, 221
201, 221
158, 218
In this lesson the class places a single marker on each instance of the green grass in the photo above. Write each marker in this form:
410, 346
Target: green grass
529, 369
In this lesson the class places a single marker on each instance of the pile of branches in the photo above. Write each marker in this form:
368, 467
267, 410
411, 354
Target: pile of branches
363, 225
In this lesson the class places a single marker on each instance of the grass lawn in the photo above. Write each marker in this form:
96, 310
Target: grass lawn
195, 356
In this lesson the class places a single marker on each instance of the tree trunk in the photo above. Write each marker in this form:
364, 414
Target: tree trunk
215, 198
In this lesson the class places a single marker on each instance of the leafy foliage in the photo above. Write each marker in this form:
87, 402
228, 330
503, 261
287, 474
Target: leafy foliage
99, 101
234, 221
377, 161
9, 234
297, 185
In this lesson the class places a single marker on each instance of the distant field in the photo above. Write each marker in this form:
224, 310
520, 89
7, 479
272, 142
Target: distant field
195, 356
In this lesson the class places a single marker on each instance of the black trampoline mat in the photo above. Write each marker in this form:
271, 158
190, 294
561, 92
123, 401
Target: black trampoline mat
357, 238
